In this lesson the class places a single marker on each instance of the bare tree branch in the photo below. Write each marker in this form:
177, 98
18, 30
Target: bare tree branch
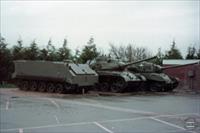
129, 53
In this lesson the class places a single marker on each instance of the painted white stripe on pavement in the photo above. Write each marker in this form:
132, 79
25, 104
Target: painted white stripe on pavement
128, 119
167, 123
48, 126
57, 121
102, 127
174, 115
54, 103
21, 130
7, 104
91, 100
110, 107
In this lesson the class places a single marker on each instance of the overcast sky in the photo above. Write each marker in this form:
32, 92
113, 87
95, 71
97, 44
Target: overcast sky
151, 24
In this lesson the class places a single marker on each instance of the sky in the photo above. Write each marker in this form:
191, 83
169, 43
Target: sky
150, 24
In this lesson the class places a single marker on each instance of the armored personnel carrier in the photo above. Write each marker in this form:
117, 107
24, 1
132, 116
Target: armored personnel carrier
52, 77
156, 79
113, 77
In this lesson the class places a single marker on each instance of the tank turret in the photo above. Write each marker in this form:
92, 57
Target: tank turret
103, 63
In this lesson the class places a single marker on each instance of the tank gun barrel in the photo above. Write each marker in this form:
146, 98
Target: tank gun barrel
121, 67
164, 68
136, 62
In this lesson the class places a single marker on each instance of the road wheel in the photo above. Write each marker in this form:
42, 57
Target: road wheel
34, 86
66, 88
42, 87
78, 90
51, 88
59, 88
118, 86
96, 87
157, 87
105, 87
20, 85
74, 89
25, 85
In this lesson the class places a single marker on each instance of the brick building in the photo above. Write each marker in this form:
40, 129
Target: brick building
189, 75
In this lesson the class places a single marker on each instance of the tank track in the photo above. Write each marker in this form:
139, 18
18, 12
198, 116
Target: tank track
46, 86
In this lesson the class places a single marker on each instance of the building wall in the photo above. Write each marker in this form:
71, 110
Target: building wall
189, 76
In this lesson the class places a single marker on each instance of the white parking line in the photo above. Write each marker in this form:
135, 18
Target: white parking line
167, 123
58, 122
128, 119
48, 126
102, 127
7, 104
54, 103
174, 115
110, 107
91, 101
21, 130
170, 124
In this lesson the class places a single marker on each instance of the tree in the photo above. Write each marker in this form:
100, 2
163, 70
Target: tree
43, 54
76, 57
141, 53
120, 52
32, 52
51, 51
159, 58
191, 53
18, 50
6, 65
114, 51
173, 53
129, 53
198, 53
89, 52
2, 43
64, 53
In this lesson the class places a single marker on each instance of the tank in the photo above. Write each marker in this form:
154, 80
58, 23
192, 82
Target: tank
58, 77
113, 77
156, 79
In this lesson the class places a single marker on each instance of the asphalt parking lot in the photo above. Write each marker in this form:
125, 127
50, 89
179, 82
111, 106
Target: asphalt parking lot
32, 112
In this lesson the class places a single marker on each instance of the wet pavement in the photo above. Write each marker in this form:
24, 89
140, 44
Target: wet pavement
35, 112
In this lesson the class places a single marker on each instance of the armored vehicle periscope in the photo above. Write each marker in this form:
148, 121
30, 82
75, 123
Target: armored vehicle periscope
56, 77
